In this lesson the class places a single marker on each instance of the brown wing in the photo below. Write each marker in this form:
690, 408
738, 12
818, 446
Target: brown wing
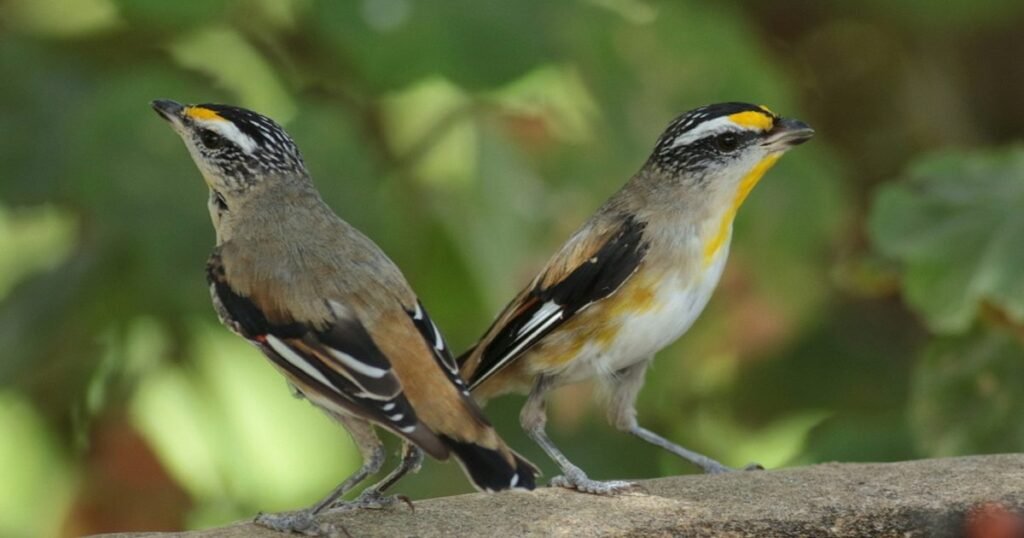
589, 268
334, 358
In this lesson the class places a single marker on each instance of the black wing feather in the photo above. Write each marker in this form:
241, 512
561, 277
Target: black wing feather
591, 281
442, 354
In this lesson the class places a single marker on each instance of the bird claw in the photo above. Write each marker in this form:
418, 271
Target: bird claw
576, 479
718, 468
371, 500
301, 522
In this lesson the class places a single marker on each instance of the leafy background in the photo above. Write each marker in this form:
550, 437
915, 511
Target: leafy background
872, 310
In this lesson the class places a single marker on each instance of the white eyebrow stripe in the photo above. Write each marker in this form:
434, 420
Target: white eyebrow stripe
708, 128
231, 132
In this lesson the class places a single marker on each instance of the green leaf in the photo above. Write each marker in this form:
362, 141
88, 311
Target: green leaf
966, 395
955, 223
62, 18
37, 488
475, 44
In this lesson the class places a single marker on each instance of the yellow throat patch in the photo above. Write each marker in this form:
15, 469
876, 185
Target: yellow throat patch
201, 113
747, 184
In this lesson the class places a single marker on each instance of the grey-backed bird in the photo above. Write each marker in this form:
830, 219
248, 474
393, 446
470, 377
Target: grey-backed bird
633, 278
330, 310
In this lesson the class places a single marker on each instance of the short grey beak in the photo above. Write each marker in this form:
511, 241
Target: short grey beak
169, 110
788, 132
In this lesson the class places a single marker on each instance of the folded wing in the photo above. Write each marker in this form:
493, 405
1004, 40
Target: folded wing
588, 269
333, 361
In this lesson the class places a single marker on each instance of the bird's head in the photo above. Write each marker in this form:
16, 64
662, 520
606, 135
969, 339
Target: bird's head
243, 156
714, 156
724, 143
233, 147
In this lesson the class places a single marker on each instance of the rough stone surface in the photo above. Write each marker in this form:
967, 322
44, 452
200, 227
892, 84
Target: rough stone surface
908, 499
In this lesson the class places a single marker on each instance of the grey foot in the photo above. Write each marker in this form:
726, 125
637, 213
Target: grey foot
576, 479
718, 468
372, 500
302, 522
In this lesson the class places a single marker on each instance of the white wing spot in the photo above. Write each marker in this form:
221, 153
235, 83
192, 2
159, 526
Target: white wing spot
340, 311
438, 339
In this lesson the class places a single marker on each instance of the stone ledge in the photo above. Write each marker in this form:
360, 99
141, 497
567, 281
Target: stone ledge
915, 498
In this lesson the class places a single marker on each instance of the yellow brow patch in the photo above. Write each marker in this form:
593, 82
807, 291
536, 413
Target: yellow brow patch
201, 113
753, 118
746, 185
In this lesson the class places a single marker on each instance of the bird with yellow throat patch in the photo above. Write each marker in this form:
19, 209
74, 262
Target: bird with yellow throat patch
633, 278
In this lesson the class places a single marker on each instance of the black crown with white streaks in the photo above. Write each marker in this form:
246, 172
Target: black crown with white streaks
271, 149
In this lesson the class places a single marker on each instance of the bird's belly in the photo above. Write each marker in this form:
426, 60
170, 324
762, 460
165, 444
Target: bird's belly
643, 332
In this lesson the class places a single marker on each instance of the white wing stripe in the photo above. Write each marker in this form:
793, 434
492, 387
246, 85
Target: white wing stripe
296, 360
541, 315
524, 341
358, 366
528, 340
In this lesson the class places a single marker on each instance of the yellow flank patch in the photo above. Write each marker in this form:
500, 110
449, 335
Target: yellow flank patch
599, 325
753, 118
766, 109
634, 298
747, 184
201, 113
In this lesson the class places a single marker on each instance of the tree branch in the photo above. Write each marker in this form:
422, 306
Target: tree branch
939, 497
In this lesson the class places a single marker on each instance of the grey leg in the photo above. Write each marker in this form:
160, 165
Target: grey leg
622, 415
305, 521
533, 418
373, 496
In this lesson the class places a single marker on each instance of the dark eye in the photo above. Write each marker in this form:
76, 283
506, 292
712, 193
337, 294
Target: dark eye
211, 139
218, 199
726, 142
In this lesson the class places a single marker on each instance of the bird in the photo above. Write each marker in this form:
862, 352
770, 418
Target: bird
331, 311
632, 279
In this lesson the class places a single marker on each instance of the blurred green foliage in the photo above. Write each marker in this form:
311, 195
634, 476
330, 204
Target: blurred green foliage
955, 224
871, 310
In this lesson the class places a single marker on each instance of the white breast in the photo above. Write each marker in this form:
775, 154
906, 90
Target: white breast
681, 299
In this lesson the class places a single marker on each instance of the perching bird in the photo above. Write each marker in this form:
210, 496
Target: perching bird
633, 278
330, 310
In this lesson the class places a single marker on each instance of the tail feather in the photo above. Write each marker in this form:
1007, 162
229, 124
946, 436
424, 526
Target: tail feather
489, 469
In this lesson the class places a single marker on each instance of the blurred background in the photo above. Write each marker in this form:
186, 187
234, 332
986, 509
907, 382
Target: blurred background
872, 308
